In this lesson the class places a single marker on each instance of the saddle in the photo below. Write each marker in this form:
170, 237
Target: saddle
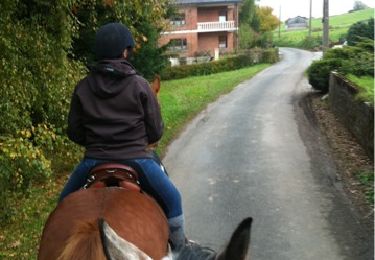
113, 175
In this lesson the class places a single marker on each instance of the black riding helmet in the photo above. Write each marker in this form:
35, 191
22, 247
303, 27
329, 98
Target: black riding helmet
111, 40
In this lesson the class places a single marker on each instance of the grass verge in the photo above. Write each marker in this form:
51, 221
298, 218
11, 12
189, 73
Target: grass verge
366, 178
365, 86
180, 100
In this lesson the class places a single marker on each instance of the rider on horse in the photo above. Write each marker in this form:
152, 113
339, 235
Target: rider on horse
115, 115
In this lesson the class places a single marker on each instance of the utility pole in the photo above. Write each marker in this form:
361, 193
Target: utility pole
325, 26
310, 19
280, 22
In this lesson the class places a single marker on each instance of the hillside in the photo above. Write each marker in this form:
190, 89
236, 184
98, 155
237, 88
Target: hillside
339, 25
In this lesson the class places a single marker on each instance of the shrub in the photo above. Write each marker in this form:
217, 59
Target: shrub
357, 60
244, 59
30, 157
311, 42
247, 36
363, 29
36, 82
318, 73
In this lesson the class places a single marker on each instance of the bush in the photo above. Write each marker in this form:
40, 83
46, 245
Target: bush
36, 82
357, 60
311, 42
363, 29
30, 157
231, 63
247, 37
318, 73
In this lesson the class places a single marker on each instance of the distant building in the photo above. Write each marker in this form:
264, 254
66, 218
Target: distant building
298, 22
201, 26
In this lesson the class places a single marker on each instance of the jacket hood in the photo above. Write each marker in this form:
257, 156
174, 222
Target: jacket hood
105, 77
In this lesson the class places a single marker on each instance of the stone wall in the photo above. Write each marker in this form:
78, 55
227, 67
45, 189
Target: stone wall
356, 115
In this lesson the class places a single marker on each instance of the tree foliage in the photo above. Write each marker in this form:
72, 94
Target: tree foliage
247, 36
247, 12
145, 19
359, 5
268, 22
256, 23
45, 46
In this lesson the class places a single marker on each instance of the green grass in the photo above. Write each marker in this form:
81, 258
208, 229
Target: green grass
339, 26
366, 178
20, 238
365, 86
180, 100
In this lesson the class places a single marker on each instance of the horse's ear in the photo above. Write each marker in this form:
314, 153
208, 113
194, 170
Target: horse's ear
155, 85
238, 246
115, 247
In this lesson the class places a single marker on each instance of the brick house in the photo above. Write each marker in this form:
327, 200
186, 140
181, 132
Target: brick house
201, 26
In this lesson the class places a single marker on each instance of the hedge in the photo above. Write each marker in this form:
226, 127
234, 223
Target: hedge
244, 59
357, 60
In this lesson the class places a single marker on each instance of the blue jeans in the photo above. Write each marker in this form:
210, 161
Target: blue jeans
153, 180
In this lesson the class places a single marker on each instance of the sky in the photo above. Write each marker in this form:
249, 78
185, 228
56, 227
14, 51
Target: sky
293, 8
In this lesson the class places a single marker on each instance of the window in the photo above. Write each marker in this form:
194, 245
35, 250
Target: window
177, 44
223, 42
222, 15
178, 20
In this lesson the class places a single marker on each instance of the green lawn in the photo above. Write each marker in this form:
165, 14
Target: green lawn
365, 85
339, 26
180, 100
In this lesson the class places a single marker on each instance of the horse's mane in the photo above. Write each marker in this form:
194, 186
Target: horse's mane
87, 238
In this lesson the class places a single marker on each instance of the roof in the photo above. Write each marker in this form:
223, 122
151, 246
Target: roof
297, 19
205, 2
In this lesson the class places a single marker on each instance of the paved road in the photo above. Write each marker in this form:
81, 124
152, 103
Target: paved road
249, 154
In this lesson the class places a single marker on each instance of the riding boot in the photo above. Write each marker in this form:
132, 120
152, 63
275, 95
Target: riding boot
177, 233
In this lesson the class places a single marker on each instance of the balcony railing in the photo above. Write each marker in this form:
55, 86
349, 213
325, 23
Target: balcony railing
216, 26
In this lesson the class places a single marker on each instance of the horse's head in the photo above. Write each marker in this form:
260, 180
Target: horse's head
155, 86
237, 247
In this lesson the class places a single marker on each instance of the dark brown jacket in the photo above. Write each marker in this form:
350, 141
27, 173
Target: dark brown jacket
114, 114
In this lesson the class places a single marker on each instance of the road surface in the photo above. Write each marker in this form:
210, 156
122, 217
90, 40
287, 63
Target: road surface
250, 154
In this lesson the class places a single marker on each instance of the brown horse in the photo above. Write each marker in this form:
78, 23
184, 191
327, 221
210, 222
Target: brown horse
72, 230
115, 223
122, 223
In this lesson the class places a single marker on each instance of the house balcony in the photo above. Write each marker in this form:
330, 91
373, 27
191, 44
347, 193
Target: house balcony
216, 26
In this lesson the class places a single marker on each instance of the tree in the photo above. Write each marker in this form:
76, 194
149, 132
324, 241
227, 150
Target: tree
247, 12
358, 5
268, 22
249, 25
144, 18
248, 37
